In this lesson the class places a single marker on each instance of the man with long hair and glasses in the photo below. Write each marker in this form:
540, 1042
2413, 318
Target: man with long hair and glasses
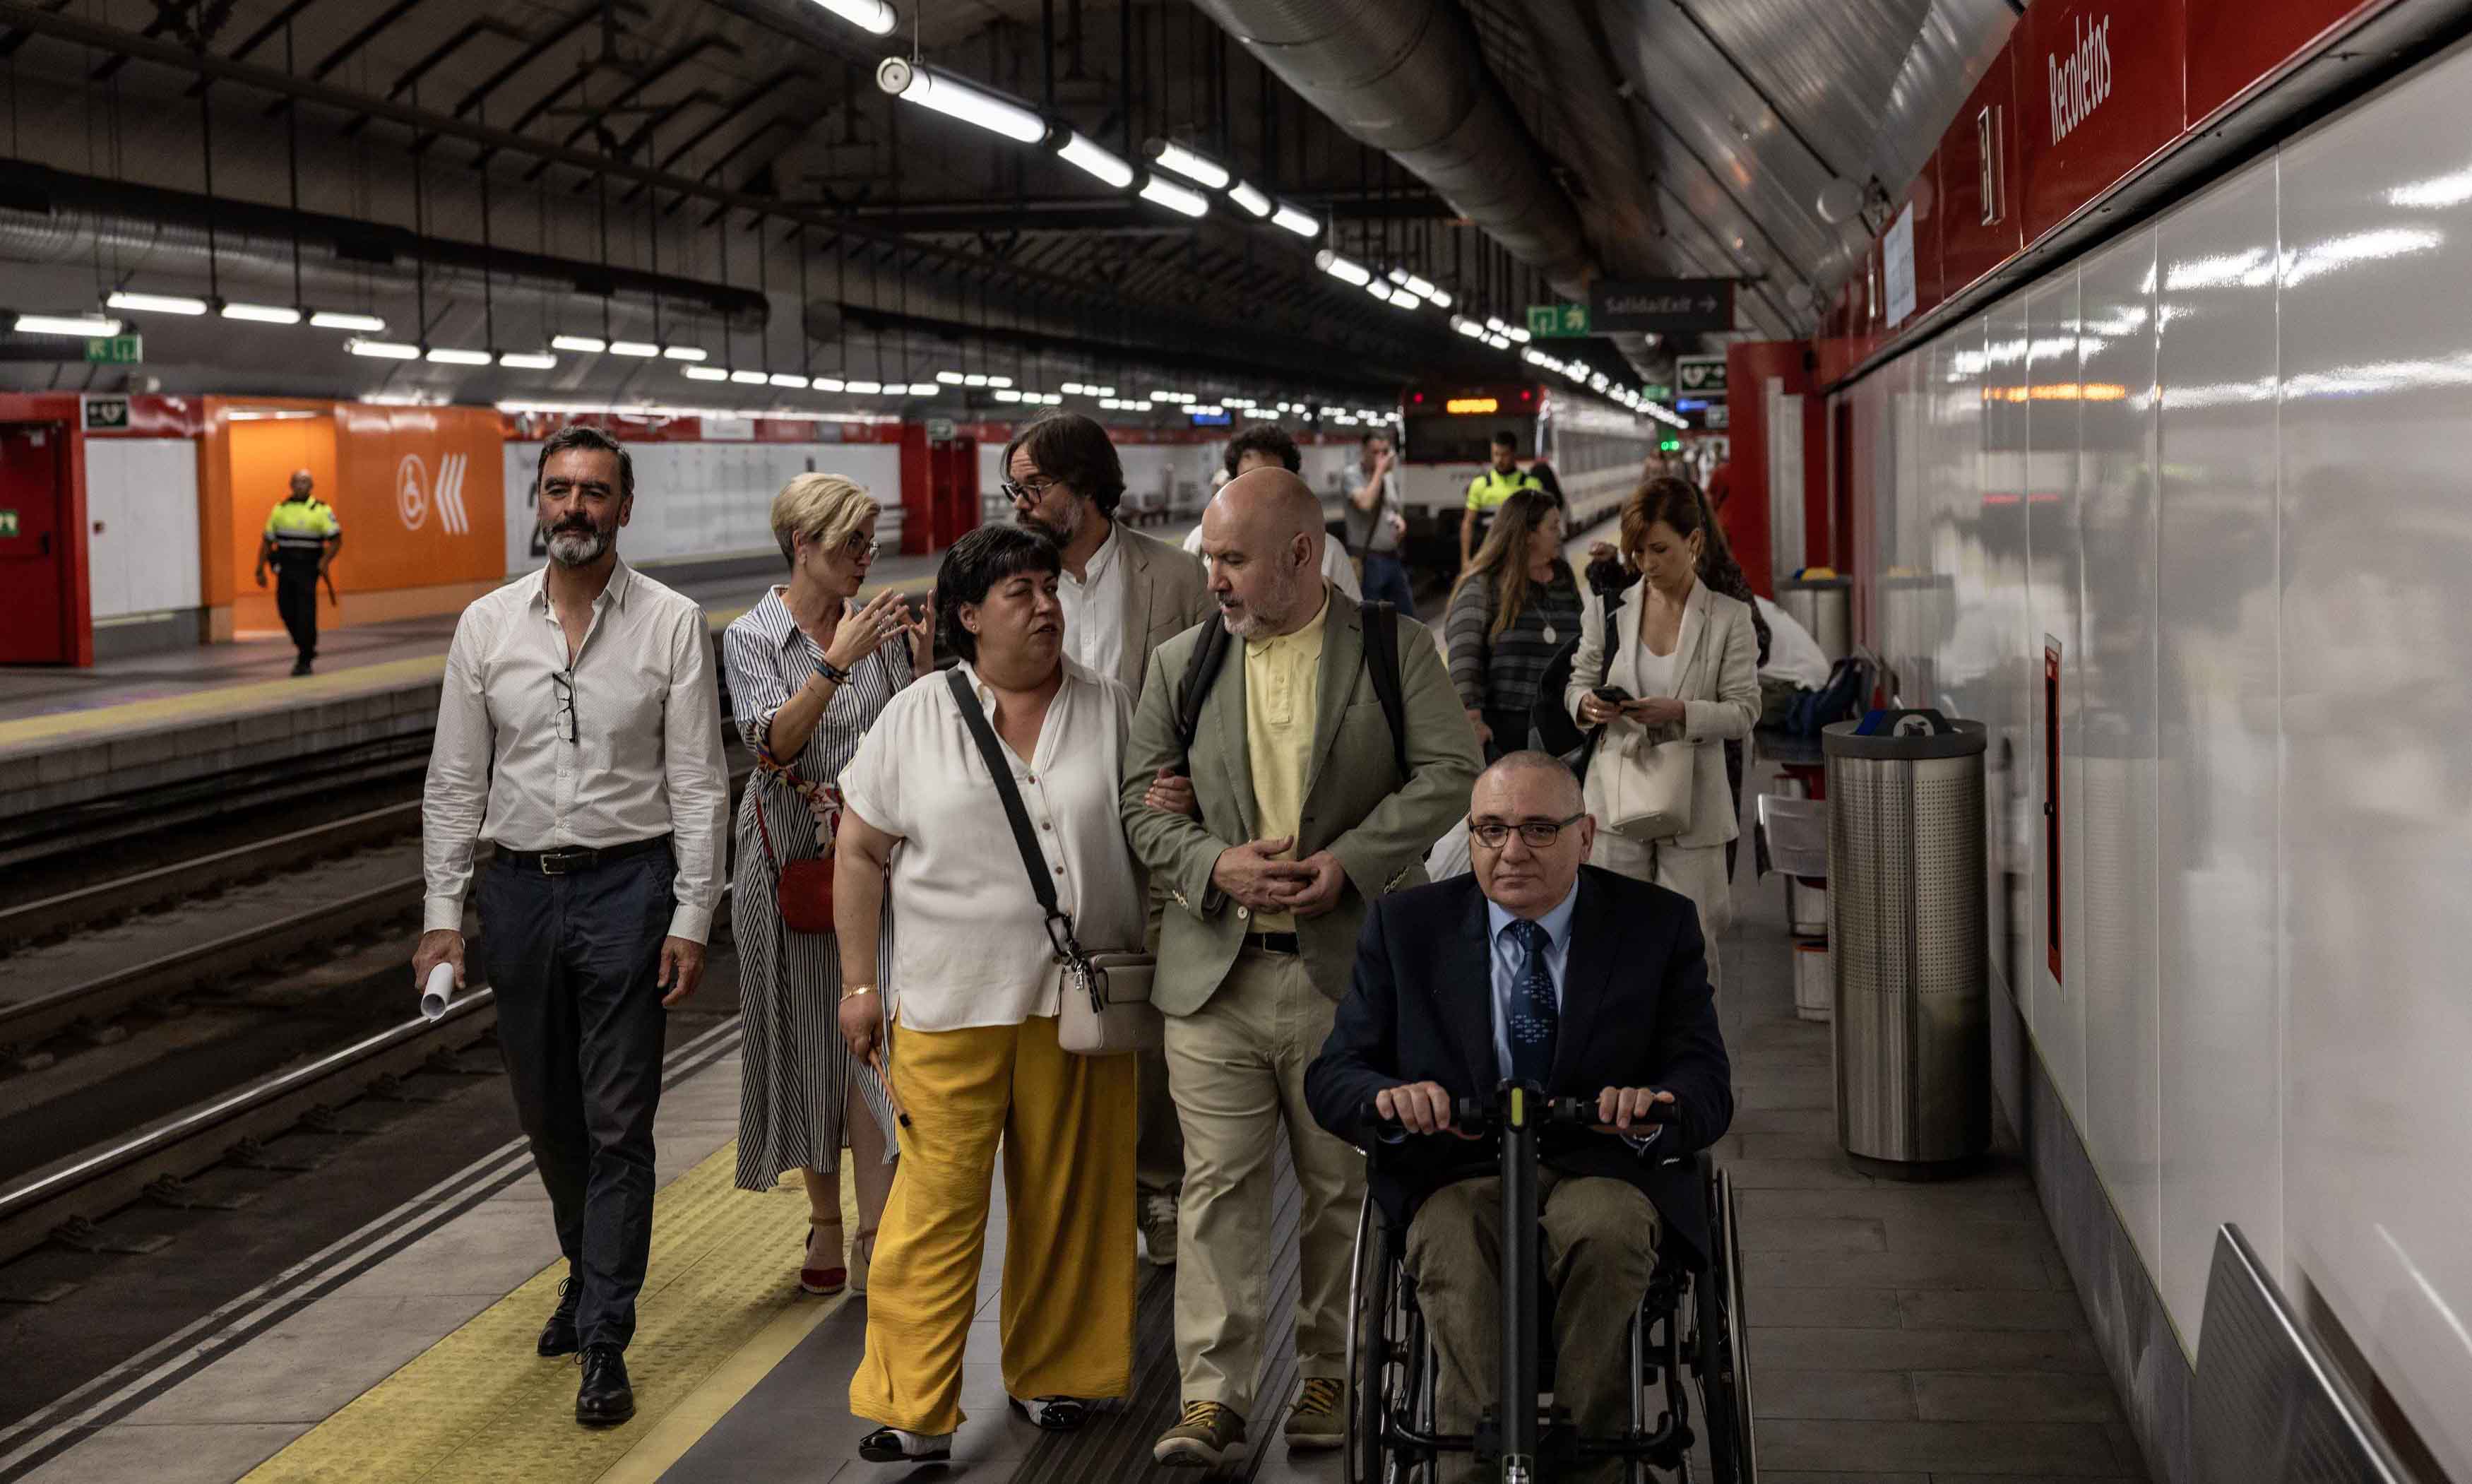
579, 733
1124, 594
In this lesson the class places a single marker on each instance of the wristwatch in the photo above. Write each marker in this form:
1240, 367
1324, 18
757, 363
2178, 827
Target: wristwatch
831, 671
854, 990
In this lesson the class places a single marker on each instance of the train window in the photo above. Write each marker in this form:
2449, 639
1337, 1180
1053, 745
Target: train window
1442, 438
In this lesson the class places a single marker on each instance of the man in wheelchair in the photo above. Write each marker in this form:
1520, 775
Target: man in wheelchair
1542, 970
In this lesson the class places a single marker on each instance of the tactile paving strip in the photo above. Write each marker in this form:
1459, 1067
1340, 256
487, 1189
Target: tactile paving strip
480, 1405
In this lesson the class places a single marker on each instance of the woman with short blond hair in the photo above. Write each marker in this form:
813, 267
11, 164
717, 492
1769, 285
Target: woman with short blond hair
809, 670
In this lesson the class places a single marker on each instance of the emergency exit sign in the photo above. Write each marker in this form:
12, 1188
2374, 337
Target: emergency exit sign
8, 523
1557, 322
116, 349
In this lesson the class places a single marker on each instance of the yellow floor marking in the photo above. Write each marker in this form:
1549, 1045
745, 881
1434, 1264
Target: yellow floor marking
479, 1406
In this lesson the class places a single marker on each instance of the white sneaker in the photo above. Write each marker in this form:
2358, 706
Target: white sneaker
893, 1445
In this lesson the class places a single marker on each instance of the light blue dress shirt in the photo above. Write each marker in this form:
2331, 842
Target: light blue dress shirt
1510, 965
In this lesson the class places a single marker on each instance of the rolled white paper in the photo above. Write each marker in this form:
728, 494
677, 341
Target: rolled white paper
438, 992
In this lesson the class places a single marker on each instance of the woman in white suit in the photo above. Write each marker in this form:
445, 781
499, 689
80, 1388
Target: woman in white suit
1689, 660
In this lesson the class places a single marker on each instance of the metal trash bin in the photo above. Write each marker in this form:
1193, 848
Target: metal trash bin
1824, 607
1908, 939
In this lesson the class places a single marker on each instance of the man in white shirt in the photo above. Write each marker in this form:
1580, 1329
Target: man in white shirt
579, 733
1124, 594
1268, 446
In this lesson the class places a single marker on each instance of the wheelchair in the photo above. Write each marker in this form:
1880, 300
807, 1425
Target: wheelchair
1687, 1337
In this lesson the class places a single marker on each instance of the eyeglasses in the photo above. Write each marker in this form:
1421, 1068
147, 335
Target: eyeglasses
861, 545
1032, 490
1537, 835
564, 680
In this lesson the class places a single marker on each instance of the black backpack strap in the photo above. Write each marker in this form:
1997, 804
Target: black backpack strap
1200, 673
1024, 837
1382, 661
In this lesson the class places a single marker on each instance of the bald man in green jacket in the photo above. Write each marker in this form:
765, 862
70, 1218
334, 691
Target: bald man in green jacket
1295, 815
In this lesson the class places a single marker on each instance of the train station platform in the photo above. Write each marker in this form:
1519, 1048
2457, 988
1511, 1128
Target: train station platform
1899, 1332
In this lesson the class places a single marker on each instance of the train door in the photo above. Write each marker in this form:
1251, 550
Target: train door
35, 546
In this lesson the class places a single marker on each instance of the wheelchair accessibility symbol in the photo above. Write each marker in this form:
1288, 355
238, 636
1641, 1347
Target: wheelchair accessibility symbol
414, 494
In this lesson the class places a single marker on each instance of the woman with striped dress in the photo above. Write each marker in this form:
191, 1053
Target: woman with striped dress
1514, 609
809, 671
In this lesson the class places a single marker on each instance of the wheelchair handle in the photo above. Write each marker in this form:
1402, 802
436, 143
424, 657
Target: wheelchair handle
1486, 1114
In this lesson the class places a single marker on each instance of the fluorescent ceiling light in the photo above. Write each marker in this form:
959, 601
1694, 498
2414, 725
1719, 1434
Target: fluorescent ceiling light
975, 379
1498, 342
1519, 336
747, 378
1176, 198
1414, 285
1297, 221
528, 360
157, 303
383, 349
822, 383
347, 319
790, 379
448, 355
931, 88
1074, 387
636, 347
706, 373
1080, 154
949, 378
584, 345
683, 353
923, 389
1102, 391
1342, 268
88, 325
999, 381
277, 314
1440, 299
1007, 395
867, 388
1253, 202
869, 15
1192, 167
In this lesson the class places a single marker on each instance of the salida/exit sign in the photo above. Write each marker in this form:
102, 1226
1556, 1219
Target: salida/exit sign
116, 349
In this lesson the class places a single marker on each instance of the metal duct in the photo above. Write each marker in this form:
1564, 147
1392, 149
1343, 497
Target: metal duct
1406, 77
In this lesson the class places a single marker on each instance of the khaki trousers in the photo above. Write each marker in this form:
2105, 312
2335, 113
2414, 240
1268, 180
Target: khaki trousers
1237, 1069
1599, 1247
1696, 872
1065, 1124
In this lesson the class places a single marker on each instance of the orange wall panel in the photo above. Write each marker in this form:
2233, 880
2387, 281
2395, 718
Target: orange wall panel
421, 496
260, 457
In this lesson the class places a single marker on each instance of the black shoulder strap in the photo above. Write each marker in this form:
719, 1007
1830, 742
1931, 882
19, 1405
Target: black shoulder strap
1607, 604
1031, 861
1382, 659
1200, 672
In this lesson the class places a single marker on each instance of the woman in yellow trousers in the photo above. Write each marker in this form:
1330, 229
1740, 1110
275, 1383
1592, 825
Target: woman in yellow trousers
976, 990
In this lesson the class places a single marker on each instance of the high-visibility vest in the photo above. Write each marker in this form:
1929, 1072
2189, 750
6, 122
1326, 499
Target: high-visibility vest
1488, 489
300, 528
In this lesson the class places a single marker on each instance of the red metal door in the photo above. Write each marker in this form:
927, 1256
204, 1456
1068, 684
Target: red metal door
35, 548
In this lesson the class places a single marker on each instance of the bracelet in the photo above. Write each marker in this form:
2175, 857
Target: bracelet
832, 672
854, 990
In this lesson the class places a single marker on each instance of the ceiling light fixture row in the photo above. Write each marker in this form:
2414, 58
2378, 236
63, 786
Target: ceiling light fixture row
1169, 181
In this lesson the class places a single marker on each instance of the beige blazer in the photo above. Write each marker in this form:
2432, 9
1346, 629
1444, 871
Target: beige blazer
1165, 595
1716, 680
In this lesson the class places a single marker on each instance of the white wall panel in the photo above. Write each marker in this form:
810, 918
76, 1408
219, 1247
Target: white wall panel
2005, 619
143, 493
710, 499
2055, 571
2216, 809
2116, 525
2376, 229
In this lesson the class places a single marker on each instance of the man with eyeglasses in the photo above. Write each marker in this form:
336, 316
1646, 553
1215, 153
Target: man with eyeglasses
579, 733
1124, 595
1539, 969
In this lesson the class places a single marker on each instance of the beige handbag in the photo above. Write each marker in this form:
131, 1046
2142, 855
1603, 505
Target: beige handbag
1105, 1009
1649, 788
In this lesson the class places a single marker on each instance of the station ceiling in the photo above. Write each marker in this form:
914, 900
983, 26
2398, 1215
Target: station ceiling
729, 174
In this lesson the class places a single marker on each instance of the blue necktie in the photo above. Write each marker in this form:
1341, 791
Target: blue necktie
1534, 1015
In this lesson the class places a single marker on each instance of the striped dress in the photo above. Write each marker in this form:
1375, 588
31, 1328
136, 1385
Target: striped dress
796, 1067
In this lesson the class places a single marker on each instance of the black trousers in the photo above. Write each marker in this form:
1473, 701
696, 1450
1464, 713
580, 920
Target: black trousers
1510, 732
574, 959
296, 598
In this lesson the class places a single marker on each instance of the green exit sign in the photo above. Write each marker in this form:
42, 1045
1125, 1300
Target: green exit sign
7, 522
1557, 322
116, 349
1656, 393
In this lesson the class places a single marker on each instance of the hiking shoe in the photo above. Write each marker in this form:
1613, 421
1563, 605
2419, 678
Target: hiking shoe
1315, 1422
1205, 1437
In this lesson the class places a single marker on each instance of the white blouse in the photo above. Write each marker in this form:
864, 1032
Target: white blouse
970, 944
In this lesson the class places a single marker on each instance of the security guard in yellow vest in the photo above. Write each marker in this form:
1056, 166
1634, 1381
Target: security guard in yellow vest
1488, 489
302, 539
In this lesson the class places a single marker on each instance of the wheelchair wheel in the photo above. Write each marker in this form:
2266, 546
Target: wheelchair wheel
1721, 1366
1377, 1354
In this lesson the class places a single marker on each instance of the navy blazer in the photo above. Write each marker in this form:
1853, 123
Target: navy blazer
1637, 1011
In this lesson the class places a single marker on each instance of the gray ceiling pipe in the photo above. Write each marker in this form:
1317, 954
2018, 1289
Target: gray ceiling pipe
1405, 77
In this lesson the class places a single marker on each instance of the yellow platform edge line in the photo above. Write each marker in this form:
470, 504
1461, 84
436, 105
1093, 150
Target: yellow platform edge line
252, 698
720, 1307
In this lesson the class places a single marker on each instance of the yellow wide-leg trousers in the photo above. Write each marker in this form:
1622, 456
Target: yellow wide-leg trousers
1066, 1127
